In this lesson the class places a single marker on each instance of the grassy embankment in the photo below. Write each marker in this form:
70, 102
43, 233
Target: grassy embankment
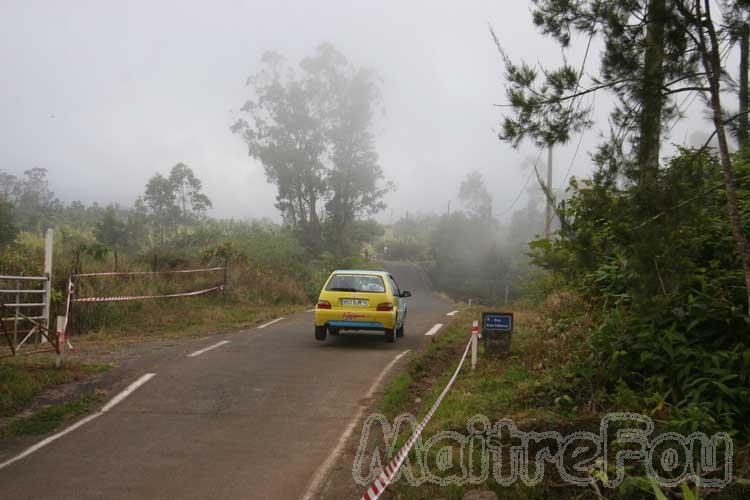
23, 379
498, 389
510, 388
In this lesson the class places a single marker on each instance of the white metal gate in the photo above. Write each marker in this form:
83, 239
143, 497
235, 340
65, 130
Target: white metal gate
25, 311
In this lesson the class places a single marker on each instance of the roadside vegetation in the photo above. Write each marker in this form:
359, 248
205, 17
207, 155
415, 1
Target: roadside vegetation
638, 300
532, 387
48, 418
23, 379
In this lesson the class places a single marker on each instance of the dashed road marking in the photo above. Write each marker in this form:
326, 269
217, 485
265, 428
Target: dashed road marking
269, 323
111, 404
311, 310
432, 331
206, 349
313, 490
452, 313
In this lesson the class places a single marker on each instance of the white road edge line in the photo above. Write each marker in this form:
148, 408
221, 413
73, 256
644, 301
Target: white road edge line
209, 348
452, 313
310, 310
432, 331
313, 490
269, 323
111, 404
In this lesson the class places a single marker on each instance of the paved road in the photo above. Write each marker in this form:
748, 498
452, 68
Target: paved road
253, 418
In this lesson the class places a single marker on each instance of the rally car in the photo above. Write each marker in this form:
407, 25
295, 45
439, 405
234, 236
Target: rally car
361, 300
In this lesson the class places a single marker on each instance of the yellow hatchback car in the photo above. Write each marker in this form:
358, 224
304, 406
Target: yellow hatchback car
361, 300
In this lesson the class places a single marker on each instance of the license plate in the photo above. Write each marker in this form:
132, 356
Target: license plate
353, 302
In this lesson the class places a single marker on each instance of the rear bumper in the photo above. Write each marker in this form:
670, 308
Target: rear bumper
356, 325
370, 320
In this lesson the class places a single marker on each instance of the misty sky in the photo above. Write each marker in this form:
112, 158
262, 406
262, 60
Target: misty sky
104, 94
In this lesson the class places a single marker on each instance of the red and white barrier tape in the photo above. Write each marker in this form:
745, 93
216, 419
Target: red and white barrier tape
63, 335
137, 273
145, 297
389, 472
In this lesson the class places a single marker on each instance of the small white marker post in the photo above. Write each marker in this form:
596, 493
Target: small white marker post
474, 336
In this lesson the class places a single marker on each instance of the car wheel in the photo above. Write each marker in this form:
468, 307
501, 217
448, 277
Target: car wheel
400, 331
320, 333
390, 335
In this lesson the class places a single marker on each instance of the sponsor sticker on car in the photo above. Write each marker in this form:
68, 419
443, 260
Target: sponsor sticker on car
348, 316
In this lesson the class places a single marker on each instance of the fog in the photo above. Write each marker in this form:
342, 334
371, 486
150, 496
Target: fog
105, 94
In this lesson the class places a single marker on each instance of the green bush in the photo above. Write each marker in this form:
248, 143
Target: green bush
667, 293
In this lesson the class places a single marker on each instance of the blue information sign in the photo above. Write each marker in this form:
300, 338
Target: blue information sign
498, 321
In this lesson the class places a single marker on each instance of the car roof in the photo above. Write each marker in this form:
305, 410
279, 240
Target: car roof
361, 271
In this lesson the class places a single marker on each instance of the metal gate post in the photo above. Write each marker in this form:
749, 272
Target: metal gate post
15, 322
61, 341
48, 241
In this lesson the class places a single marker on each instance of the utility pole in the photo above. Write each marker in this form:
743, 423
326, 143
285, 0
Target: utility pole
548, 195
449, 208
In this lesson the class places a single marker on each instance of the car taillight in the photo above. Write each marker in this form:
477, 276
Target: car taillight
324, 304
386, 306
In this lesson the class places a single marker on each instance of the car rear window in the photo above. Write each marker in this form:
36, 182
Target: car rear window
356, 283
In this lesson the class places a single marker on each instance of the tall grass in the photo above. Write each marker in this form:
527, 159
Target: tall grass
266, 268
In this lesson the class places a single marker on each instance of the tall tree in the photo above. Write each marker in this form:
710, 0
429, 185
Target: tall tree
137, 224
698, 13
651, 97
286, 136
112, 232
191, 202
311, 128
743, 127
161, 203
475, 197
35, 204
7, 184
8, 229
737, 25
354, 177
644, 63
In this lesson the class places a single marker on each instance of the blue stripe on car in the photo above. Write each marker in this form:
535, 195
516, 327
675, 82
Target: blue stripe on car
356, 324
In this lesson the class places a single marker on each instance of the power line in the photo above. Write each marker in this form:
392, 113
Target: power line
578, 83
572, 103
520, 193
575, 154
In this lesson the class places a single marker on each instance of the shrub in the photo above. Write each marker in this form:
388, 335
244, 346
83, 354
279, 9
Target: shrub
667, 294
